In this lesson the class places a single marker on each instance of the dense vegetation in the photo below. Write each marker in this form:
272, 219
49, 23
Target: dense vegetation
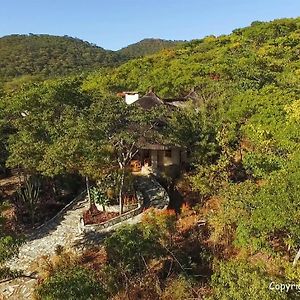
147, 47
50, 55
43, 56
243, 133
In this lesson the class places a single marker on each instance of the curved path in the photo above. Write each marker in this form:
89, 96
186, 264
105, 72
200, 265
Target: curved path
64, 230
61, 232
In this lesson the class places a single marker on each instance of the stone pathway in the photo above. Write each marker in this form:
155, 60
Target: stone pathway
65, 231
61, 231
153, 193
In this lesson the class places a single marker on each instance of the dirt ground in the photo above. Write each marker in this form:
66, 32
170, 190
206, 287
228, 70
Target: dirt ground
9, 185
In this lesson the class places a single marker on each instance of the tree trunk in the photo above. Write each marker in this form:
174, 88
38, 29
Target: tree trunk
88, 190
121, 191
296, 258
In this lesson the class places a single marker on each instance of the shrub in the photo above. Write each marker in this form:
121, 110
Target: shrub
239, 280
99, 197
161, 225
146, 287
70, 284
29, 196
49, 265
179, 288
129, 248
9, 246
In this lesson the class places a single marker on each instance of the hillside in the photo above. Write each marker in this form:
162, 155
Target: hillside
261, 54
147, 47
48, 55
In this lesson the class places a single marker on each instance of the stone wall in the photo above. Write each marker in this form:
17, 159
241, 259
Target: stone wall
119, 219
113, 221
116, 208
149, 194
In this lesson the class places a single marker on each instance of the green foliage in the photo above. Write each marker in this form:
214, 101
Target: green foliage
262, 164
191, 129
179, 288
52, 132
100, 197
239, 280
161, 226
8, 247
5, 131
129, 248
242, 130
29, 57
71, 283
263, 213
147, 47
50, 55
240, 58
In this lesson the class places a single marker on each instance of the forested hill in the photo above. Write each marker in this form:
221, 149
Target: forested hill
146, 47
252, 57
49, 55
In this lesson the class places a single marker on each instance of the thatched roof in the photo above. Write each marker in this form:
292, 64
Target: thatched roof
182, 101
149, 101
156, 146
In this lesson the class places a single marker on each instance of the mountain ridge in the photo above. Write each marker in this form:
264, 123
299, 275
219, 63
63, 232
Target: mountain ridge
51, 55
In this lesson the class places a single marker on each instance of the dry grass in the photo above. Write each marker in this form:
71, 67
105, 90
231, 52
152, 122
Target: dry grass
9, 185
47, 265
94, 258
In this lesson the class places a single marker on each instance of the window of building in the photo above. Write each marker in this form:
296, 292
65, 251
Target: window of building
168, 153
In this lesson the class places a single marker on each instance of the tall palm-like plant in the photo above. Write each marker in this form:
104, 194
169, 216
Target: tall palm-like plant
29, 196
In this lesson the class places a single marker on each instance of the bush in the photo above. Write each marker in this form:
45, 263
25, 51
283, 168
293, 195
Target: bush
146, 287
160, 225
9, 246
70, 284
129, 248
178, 289
49, 265
239, 280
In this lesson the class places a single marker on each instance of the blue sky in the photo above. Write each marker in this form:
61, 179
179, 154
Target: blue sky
113, 24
